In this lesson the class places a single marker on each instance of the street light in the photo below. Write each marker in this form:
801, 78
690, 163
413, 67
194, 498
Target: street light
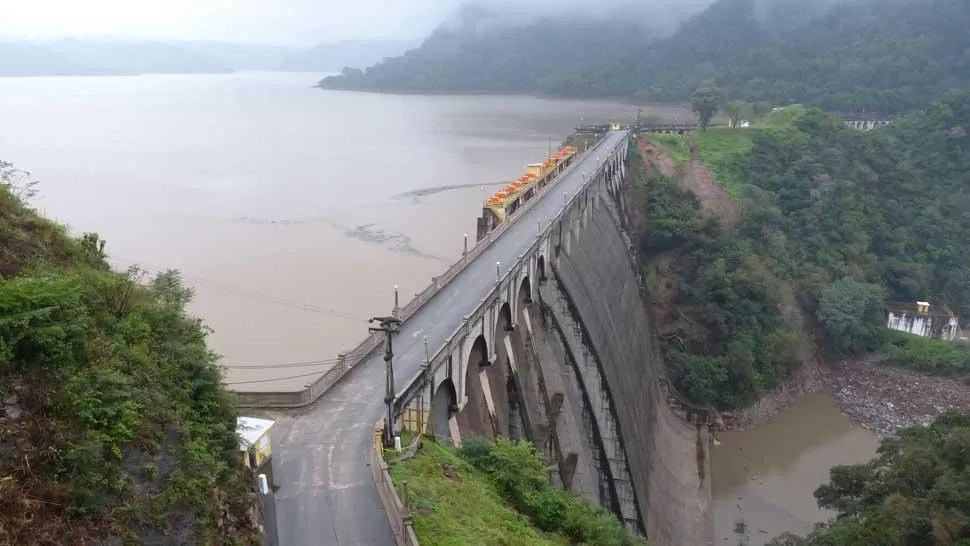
388, 325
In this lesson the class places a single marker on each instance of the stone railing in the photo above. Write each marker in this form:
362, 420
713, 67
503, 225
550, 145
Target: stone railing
347, 361
398, 514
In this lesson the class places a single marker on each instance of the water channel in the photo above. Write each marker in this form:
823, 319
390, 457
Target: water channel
765, 476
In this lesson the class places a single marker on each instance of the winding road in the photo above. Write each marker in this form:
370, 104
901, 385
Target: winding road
326, 495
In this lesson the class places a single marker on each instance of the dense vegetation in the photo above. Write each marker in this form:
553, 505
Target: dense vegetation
113, 418
497, 493
876, 55
914, 493
835, 223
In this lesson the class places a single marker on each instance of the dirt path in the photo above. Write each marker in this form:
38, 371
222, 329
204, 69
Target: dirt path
657, 158
712, 196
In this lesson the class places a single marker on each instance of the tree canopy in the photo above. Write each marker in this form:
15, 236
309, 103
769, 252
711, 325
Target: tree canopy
835, 223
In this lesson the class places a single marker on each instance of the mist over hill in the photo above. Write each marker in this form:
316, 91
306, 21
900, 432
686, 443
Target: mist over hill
849, 55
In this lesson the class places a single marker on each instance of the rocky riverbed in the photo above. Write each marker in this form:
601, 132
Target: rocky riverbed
885, 399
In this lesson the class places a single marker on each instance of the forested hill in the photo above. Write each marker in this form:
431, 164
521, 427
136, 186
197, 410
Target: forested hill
836, 224
885, 55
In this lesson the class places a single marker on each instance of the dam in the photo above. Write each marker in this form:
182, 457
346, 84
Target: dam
540, 332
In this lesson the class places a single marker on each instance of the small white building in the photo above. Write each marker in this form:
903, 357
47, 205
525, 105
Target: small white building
920, 319
254, 444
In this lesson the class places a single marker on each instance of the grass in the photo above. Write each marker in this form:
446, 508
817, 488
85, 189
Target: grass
782, 118
456, 505
673, 144
718, 146
926, 355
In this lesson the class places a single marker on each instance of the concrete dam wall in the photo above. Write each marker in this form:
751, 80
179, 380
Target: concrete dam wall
573, 366
668, 458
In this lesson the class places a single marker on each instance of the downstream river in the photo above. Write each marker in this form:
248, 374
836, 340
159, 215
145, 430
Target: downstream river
763, 478
293, 212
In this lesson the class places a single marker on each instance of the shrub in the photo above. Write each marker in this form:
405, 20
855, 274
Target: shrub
521, 476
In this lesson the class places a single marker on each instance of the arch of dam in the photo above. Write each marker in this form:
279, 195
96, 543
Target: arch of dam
540, 333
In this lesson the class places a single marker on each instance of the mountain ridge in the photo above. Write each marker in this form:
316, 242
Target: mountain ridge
846, 55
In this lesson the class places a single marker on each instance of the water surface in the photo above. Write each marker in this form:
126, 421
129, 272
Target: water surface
764, 477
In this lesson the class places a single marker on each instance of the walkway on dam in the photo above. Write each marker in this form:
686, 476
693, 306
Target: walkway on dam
326, 494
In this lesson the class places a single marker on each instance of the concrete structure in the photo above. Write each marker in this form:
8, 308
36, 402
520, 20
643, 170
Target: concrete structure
920, 319
644, 449
866, 124
514, 196
473, 356
255, 451
670, 129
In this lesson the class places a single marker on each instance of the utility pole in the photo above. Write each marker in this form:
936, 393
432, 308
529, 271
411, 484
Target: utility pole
390, 326
550, 147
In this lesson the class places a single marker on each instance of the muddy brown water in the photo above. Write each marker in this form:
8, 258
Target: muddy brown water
765, 476
293, 211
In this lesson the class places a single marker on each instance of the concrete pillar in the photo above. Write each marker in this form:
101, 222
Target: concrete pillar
566, 231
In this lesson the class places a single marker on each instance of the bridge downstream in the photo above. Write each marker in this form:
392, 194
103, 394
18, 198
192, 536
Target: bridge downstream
326, 494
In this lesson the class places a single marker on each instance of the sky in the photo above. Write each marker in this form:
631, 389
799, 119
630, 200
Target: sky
289, 22
286, 22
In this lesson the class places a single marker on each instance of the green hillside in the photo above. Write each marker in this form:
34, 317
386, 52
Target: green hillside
835, 223
114, 424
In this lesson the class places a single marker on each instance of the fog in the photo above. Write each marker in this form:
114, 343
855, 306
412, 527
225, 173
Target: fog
290, 22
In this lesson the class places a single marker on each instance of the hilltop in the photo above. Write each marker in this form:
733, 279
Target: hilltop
114, 424
887, 56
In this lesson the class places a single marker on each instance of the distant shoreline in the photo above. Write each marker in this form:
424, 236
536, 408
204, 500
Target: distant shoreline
632, 101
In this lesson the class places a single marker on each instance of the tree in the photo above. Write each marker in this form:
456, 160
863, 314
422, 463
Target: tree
914, 493
851, 314
738, 111
19, 183
760, 108
705, 102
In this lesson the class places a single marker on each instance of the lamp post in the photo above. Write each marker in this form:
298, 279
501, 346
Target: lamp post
390, 326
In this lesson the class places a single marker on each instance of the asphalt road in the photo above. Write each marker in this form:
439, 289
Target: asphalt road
326, 496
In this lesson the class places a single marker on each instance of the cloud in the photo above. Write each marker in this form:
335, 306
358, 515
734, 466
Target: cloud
296, 22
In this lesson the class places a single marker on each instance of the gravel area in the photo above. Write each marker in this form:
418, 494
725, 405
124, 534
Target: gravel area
884, 399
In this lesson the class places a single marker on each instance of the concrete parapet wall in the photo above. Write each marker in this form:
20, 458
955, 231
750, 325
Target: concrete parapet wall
398, 515
668, 458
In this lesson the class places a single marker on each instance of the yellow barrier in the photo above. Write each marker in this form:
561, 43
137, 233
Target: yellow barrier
398, 515
415, 421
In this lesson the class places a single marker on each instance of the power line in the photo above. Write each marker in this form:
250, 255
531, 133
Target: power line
305, 364
273, 379
259, 297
